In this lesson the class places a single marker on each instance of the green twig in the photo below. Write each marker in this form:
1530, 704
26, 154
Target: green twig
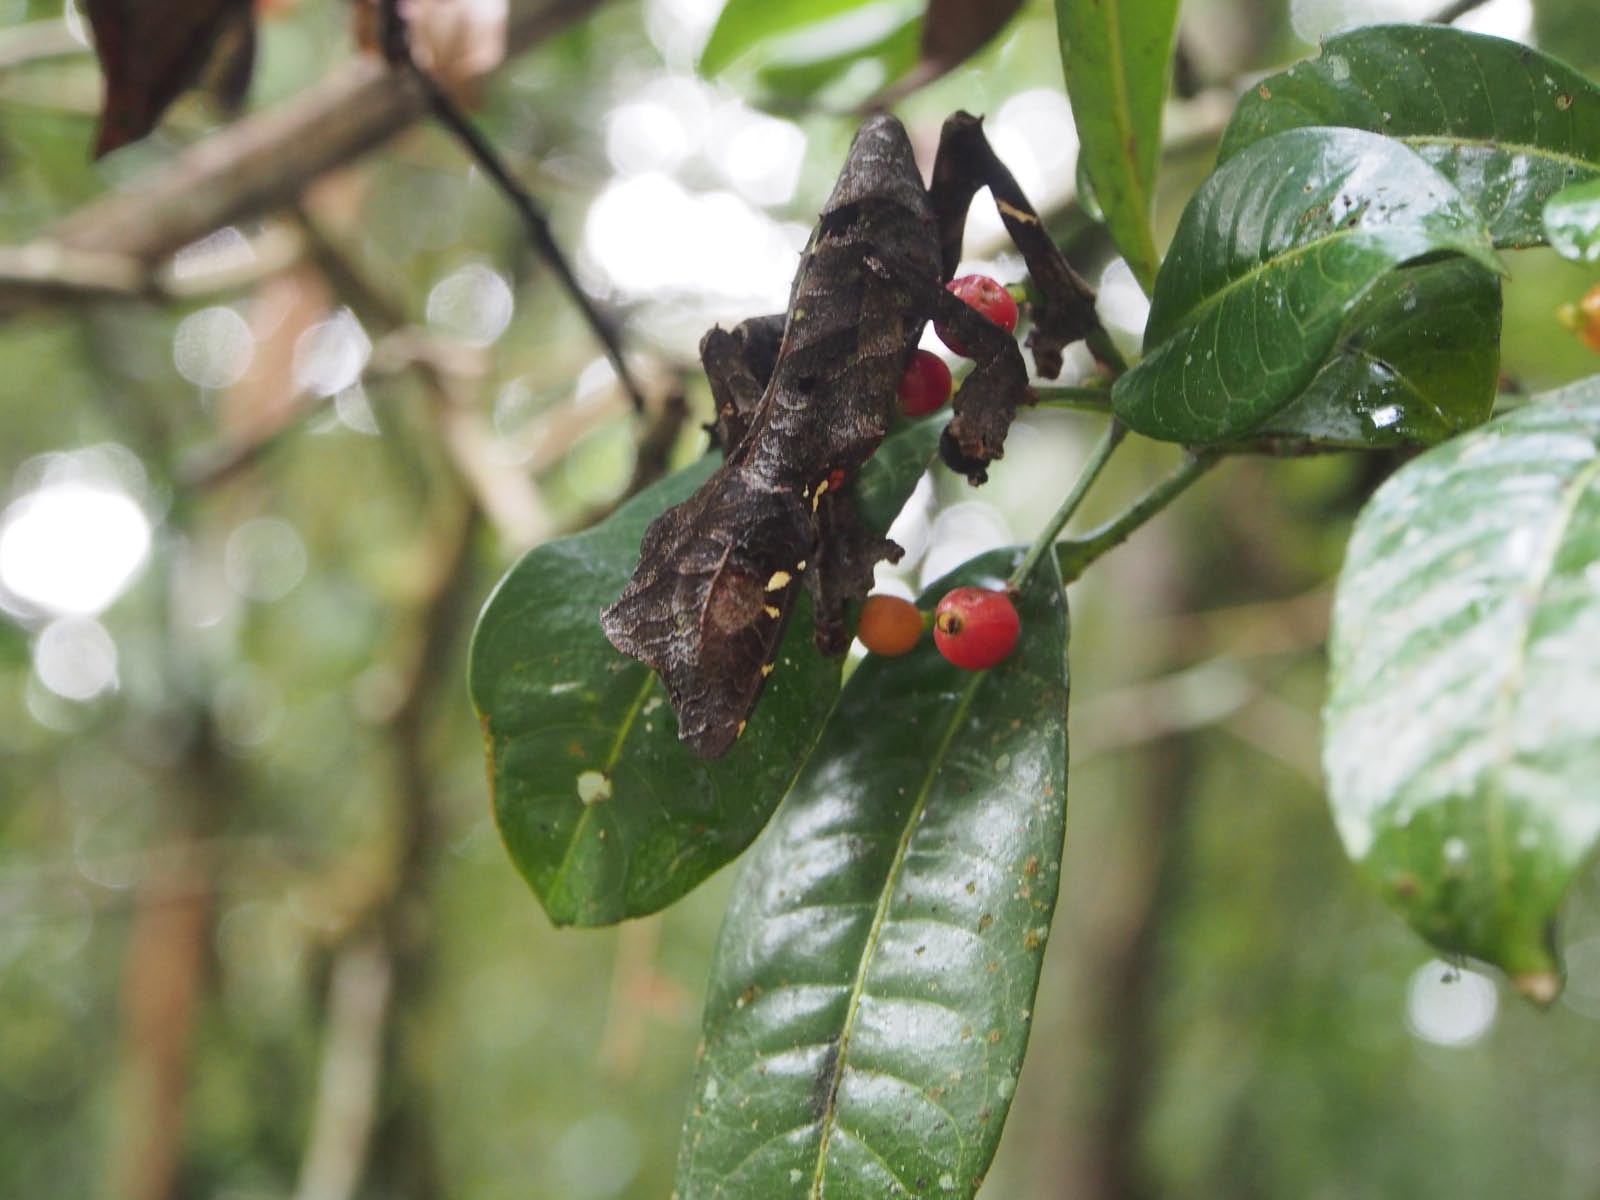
1073, 399
1075, 555
1105, 351
1098, 457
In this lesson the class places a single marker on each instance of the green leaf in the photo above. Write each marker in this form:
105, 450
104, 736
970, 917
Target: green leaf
1508, 125
603, 810
873, 987
890, 57
1270, 258
1462, 733
805, 30
1417, 362
1116, 56
1572, 222
606, 814
891, 475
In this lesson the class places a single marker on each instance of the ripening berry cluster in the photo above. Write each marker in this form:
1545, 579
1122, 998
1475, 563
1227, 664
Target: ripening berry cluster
974, 628
925, 388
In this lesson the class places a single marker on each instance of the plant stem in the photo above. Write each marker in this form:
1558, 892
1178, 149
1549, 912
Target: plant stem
1098, 457
1074, 399
394, 38
1076, 555
1105, 351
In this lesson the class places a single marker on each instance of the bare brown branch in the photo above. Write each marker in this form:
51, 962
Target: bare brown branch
256, 166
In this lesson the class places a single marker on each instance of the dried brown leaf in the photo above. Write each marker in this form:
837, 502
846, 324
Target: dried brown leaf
151, 51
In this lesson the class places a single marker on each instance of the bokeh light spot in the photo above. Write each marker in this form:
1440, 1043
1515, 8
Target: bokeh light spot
1450, 1006
212, 348
264, 559
72, 546
472, 303
75, 658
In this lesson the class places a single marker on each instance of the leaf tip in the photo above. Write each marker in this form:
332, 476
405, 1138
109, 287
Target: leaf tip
1541, 987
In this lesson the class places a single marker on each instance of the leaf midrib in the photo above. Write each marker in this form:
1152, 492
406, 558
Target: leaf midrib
1479, 143
875, 931
1122, 118
613, 756
1511, 688
1193, 316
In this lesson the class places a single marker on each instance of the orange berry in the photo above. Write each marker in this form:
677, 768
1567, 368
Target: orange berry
1589, 318
889, 626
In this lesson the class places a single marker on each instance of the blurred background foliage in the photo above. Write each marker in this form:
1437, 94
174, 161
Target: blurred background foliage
252, 903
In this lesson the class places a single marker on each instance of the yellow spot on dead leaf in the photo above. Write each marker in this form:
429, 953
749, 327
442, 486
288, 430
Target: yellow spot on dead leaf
1015, 213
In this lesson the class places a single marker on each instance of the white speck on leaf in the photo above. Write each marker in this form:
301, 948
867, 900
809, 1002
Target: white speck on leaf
593, 787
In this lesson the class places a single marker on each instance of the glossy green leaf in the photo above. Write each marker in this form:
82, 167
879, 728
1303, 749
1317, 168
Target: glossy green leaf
1271, 257
1572, 221
603, 810
801, 30
1508, 125
1462, 728
1417, 362
873, 988
887, 482
1116, 55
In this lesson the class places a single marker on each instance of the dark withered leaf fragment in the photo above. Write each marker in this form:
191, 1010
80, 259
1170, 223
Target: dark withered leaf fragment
151, 51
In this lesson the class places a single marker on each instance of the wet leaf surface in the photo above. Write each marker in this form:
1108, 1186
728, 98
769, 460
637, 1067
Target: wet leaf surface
1418, 361
1462, 733
1572, 222
872, 991
605, 813
1509, 125
1271, 258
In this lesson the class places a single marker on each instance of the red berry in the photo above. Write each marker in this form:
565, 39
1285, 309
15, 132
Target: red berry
975, 628
988, 297
889, 626
925, 386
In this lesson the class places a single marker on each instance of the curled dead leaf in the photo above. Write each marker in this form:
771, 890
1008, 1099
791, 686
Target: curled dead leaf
151, 51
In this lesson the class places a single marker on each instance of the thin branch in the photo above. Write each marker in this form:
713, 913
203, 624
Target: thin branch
653, 455
1043, 544
1076, 555
1073, 398
1451, 13
261, 163
504, 494
347, 1089
451, 116
49, 272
